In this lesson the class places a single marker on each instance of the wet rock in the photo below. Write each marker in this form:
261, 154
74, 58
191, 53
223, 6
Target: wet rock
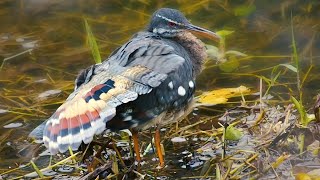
65, 169
178, 142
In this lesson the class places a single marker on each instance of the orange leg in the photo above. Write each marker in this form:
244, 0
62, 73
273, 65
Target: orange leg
158, 147
136, 144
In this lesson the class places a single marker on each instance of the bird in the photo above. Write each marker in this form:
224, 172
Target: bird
148, 81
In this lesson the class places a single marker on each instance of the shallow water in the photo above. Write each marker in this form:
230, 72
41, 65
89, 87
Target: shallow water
44, 43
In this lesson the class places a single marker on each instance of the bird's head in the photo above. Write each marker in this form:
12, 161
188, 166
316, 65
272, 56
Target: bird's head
168, 22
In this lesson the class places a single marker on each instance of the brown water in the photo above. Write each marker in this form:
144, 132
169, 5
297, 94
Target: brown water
49, 40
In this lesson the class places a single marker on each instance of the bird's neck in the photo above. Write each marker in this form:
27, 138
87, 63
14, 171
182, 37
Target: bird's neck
195, 47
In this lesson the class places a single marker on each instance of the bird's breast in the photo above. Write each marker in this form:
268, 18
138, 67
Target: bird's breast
195, 48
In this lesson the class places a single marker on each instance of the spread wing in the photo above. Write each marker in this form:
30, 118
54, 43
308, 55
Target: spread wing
136, 72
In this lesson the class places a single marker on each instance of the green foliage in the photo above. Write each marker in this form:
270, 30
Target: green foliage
275, 74
224, 33
212, 51
229, 60
92, 43
218, 172
230, 65
290, 67
305, 119
301, 110
235, 53
294, 50
233, 133
114, 167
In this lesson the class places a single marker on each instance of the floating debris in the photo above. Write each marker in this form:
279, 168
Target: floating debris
41, 81
20, 39
30, 45
49, 93
2, 111
13, 125
5, 37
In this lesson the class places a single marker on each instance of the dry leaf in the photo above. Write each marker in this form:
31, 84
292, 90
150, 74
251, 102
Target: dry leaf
303, 176
221, 96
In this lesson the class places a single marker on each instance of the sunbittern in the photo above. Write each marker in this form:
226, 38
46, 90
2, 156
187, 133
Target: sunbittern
150, 80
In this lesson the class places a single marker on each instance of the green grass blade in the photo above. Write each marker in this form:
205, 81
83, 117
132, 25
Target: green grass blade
296, 60
91, 41
290, 67
294, 48
35, 167
301, 111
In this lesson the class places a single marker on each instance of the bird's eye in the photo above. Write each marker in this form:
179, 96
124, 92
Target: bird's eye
171, 24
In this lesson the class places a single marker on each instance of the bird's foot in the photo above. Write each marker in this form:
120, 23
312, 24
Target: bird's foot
161, 166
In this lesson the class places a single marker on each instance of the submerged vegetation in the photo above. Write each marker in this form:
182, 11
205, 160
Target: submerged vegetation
257, 114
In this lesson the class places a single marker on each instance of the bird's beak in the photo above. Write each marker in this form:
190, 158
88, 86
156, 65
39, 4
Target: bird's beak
203, 32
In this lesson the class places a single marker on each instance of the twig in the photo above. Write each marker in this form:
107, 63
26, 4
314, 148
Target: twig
16, 55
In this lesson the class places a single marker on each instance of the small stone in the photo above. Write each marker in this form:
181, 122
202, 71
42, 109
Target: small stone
178, 139
65, 169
